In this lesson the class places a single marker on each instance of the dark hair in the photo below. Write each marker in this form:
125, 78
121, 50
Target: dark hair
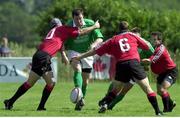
123, 26
158, 34
77, 12
136, 30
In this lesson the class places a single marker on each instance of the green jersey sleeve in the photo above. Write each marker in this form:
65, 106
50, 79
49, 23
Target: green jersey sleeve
146, 53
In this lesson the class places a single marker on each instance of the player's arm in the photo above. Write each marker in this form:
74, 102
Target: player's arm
87, 30
146, 61
97, 42
86, 54
64, 60
157, 54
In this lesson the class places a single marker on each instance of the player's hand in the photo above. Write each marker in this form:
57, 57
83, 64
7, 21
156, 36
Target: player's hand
65, 60
96, 24
146, 61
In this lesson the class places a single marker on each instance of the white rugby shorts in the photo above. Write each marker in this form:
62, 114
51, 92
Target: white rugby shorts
85, 63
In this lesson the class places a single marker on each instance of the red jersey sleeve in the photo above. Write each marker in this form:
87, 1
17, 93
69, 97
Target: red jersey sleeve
157, 54
142, 43
105, 47
73, 32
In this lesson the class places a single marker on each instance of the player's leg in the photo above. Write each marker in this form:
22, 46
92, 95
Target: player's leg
78, 81
33, 77
162, 89
86, 76
122, 76
77, 77
121, 95
48, 77
86, 65
143, 82
105, 102
151, 95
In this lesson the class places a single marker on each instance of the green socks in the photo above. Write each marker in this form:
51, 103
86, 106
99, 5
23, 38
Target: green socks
84, 89
78, 79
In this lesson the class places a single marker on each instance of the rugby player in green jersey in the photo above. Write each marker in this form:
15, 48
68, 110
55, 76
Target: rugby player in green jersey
81, 44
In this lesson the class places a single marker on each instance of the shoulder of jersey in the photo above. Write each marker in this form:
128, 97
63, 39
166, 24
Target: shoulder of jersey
89, 22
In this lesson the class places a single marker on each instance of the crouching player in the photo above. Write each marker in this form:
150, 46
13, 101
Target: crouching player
165, 68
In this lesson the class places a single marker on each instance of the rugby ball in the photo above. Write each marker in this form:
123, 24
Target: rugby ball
76, 95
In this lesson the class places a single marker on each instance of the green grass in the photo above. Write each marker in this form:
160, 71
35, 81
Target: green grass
134, 104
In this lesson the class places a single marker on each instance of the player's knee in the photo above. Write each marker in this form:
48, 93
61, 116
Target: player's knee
160, 91
53, 84
27, 85
77, 68
50, 87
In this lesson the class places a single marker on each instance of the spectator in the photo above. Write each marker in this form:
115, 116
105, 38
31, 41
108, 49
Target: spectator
4, 49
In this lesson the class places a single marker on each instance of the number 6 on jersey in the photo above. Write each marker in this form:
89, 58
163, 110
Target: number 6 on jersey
124, 46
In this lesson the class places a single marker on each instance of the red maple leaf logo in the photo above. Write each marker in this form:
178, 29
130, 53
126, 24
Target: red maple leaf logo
98, 65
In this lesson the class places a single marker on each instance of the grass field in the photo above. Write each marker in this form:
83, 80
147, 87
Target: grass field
134, 104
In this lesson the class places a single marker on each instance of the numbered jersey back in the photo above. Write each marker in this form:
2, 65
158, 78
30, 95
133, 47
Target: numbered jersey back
123, 46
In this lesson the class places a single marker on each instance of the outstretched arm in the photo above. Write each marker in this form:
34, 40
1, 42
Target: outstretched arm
97, 42
86, 54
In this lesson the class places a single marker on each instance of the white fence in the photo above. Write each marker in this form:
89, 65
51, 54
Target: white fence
16, 69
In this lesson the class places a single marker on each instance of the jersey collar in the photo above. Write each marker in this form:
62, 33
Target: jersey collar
74, 25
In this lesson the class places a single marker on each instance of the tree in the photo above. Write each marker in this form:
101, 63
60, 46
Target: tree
17, 24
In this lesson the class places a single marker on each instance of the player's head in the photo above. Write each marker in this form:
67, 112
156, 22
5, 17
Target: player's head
78, 17
4, 41
136, 30
157, 37
123, 26
55, 22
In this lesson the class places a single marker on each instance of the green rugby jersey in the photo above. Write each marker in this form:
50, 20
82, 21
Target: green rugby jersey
82, 43
146, 53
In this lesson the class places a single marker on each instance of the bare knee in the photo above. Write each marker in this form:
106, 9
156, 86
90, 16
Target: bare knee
161, 91
76, 66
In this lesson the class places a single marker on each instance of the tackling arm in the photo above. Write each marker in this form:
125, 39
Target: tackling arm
64, 60
86, 54
98, 41
89, 29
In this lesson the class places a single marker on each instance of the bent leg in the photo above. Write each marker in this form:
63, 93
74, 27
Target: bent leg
151, 95
162, 90
33, 77
48, 77
121, 95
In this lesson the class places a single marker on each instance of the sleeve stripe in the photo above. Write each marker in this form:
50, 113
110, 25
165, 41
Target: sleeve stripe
159, 53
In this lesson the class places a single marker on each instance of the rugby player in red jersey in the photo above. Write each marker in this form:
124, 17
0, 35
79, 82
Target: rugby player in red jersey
165, 68
41, 60
124, 47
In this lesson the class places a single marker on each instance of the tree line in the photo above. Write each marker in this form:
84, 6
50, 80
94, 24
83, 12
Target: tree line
27, 22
